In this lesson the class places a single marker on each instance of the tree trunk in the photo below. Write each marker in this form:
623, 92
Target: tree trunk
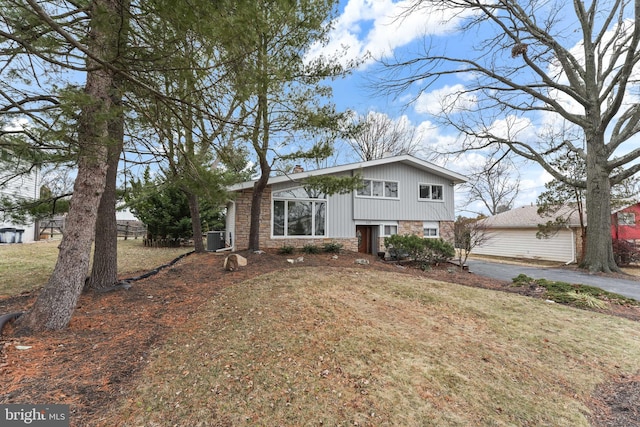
599, 251
104, 273
196, 227
57, 301
256, 206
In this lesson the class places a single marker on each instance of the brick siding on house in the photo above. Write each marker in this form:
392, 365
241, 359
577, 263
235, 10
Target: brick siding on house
243, 217
243, 225
417, 228
447, 231
300, 242
411, 227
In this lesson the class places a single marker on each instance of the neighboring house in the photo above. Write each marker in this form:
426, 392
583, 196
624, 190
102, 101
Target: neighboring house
401, 195
514, 234
625, 224
23, 186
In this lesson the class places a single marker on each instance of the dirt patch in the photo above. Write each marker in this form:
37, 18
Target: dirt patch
100, 355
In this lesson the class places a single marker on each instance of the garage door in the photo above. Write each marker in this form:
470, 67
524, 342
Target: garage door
523, 243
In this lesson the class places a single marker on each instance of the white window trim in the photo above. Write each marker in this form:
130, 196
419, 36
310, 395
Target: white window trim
622, 220
286, 217
360, 196
431, 225
383, 225
420, 199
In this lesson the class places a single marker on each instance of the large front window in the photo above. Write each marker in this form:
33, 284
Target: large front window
298, 212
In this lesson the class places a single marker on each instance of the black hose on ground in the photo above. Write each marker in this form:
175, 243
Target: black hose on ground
5, 318
158, 269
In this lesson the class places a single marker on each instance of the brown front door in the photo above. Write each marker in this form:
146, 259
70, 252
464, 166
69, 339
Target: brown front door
363, 233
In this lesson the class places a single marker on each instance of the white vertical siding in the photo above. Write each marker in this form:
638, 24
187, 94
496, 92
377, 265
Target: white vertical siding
25, 186
523, 243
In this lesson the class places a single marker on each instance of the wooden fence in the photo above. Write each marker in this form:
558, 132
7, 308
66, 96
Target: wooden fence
126, 229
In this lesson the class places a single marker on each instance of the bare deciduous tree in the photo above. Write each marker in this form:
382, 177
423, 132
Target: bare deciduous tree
469, 233
530, 65
494, 185
376, 135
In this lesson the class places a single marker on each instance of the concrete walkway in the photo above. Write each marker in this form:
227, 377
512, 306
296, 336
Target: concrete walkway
502, 271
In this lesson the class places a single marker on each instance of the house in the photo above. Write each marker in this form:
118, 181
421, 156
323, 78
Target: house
514, 234
25, 186
625, 224
401, 195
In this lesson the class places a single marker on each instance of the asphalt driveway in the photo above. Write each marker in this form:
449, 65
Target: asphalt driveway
503, 271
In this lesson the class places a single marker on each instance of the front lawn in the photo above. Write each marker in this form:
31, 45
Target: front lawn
27, 266
353, 347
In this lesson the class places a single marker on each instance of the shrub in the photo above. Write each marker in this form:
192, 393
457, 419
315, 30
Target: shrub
439, 250
286, 250
576, 294
333, 247
624, 252
430, 251
406, 246
310, 249
522, 280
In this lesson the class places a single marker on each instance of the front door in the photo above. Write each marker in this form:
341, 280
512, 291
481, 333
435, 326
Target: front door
363, 233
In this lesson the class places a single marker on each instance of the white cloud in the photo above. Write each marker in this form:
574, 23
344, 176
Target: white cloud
514, 129
447, 99
372, 29
16, 125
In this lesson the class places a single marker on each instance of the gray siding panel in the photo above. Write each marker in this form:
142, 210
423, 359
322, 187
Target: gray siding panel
407, 207
340, 223
343, 211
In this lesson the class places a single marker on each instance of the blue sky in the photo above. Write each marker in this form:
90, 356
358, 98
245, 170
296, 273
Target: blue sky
371, 27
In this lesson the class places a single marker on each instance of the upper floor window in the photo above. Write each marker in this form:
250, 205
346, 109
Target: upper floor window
380, 189
626, 218
430, 192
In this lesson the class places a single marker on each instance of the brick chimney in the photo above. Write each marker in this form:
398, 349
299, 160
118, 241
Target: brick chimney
298, 169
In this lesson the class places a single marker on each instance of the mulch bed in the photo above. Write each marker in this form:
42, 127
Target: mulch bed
96, 360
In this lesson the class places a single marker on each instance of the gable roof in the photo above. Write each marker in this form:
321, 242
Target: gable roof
630, 207
403, 159
528, 217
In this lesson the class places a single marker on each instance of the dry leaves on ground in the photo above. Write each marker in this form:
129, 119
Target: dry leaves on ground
99, 356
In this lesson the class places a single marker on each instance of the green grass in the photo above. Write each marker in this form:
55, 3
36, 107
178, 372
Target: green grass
338, 347
24, 267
